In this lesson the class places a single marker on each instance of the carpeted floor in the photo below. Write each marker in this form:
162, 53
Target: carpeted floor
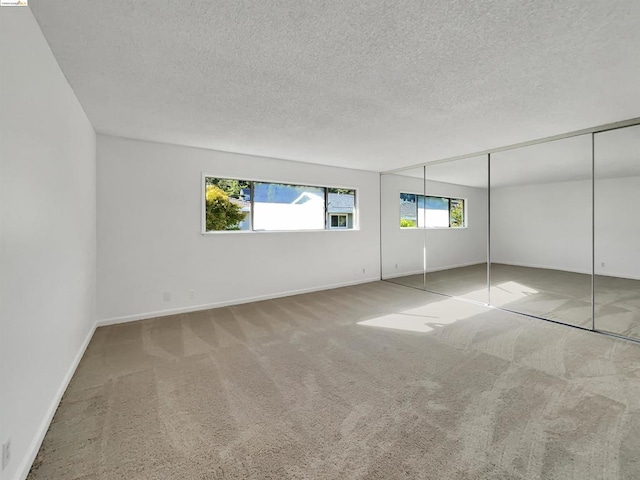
375, 381
618, 305
553, 294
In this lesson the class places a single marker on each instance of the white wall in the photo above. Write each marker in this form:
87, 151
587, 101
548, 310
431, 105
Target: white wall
446, 248
545, 226
150, 241
549, 226
48, 247
617, 227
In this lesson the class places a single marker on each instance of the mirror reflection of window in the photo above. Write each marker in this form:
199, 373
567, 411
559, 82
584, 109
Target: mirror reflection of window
408, 210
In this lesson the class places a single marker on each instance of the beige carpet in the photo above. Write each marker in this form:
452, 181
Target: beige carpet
376, 381
553, 294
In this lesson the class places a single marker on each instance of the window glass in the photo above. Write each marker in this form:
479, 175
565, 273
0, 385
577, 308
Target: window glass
227, 204
338, 221
456, 218
341, 207
408, 210
431, 212
232, 204
278, 206
437, 212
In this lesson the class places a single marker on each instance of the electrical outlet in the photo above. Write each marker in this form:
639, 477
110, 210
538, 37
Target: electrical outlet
363, 270
6, 453
192, 294
396, 266
602, 265
166, 296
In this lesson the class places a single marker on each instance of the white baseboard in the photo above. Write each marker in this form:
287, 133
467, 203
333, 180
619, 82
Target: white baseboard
624, 276
515, 264
27, 462
584, 272
431, 270
545, 267
403, 274
194, 308
450, 267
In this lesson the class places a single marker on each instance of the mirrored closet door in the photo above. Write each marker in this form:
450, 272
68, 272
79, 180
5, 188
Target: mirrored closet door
525, 229
541, 230
456, 208
402, 219
617, 231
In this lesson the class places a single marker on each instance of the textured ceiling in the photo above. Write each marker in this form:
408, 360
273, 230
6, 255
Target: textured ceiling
371, 84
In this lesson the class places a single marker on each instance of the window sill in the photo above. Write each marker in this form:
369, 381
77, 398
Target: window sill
245, 232
433, 228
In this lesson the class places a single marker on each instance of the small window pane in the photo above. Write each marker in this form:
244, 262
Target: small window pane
457, 213
437, 211
341, 204
279, 206
339, 221
227, 204
408, 210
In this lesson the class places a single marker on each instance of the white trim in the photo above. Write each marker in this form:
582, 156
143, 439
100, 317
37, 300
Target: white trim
417, 227
513, 264
584, 272
546, 267
293, 183
203, 203
459, 265
403, 274
194, 308
433, 228
242, 232
616, 275
34, 448
431, 270
346, 221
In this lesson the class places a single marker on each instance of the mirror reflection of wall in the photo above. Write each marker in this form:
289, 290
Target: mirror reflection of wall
401, 216
617, 231
541, 230
456, 234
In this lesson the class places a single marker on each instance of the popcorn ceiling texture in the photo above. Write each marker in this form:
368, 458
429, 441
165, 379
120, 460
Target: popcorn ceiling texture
372, 84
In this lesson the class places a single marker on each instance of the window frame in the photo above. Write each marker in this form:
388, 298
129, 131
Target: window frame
337, 215
252, 181
417, 227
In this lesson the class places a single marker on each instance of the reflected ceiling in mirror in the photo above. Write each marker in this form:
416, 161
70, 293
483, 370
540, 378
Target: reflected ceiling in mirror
469, 172
618, 153
559, 161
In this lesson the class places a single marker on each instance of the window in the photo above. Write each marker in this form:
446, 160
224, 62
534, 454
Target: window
338, 221
227, 204
231, 204
341, 208
433, 212
288, 207
408, 210
456, 213
419, 211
